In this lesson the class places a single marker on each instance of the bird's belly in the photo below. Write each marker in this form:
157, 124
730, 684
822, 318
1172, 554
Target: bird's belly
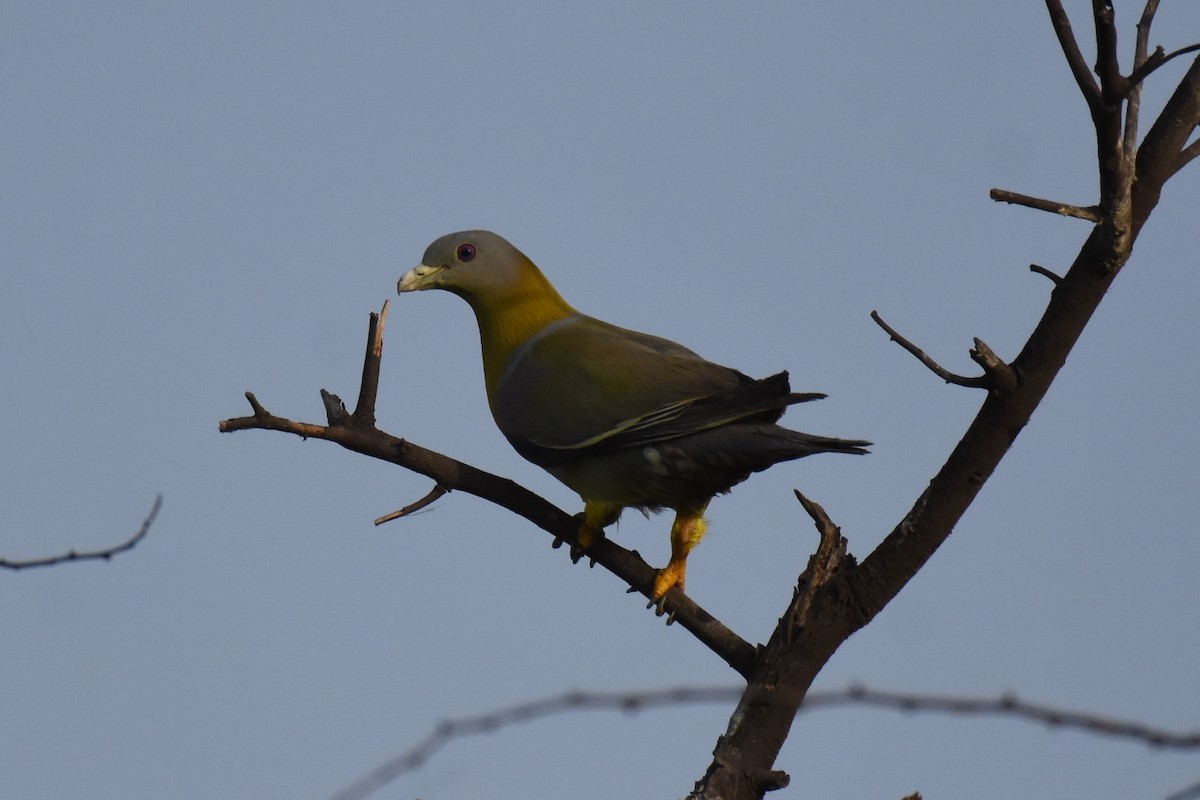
650, 477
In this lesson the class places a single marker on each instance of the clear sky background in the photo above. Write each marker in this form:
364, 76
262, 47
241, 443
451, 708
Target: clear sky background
203, 200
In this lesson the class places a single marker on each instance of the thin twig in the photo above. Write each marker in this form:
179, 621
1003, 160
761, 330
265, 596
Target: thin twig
90, 555
1133, 89
630, 702
437, 491
934, 367
1089, 213
1156, 60
368, 388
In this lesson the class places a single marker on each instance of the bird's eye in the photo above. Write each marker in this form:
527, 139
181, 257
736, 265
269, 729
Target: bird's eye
465, 251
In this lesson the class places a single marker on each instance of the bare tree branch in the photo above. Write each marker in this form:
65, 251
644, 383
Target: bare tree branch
1070, 47
1108, 67
1158, 59
90, 555
1165, 149
356, 431
934, 367
1089, 213
632, 702
788, 665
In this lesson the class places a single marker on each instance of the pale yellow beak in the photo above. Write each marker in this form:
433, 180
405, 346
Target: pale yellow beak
417, 278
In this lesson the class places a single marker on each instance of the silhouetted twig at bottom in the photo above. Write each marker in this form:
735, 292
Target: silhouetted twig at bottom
1005, 705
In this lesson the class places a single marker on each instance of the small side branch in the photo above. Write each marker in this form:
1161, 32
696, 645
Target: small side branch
1040, 270
1089, 213
436, 492
90, 555
1158, 59
980, 382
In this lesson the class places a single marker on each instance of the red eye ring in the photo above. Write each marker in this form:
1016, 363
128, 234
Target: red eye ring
465, 252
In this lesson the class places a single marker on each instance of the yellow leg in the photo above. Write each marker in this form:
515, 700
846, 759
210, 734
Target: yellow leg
597, 515
686, 532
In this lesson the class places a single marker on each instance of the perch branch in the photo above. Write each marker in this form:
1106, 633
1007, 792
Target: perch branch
1089, 213
355, 433
90, 555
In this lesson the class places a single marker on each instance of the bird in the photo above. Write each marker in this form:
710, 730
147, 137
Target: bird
624, 419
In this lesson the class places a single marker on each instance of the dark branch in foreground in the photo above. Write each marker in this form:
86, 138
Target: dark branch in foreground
632, 702
90, 555
1130, 186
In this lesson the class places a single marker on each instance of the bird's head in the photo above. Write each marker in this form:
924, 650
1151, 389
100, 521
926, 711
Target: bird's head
511, 298
479, 266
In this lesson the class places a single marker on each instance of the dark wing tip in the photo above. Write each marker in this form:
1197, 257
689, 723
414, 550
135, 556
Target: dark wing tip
804, 397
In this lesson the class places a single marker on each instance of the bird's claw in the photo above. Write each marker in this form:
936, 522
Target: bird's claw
586, 537
660, 607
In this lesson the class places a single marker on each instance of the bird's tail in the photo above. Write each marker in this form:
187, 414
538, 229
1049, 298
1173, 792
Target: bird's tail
754, 447
809, 443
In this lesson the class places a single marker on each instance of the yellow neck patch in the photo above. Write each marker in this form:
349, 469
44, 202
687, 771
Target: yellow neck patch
506, 322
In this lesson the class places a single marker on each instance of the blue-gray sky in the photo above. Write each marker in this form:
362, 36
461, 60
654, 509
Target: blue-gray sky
200, 201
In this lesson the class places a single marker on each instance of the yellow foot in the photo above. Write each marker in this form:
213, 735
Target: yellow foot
686, 532
596, 516
586, 537
670, 577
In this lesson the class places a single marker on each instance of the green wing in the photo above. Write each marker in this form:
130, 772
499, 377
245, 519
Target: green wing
584, 384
